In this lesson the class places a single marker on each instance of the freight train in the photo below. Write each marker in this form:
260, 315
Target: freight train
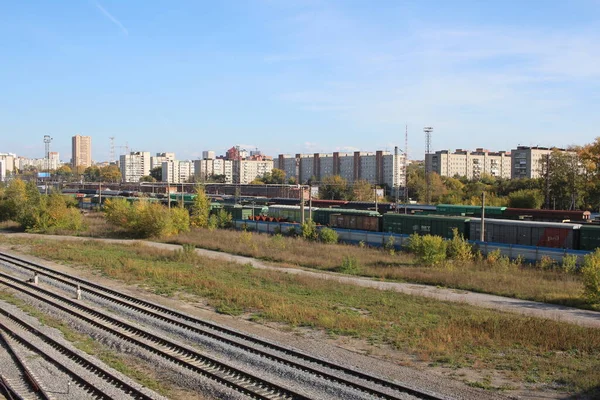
578, 236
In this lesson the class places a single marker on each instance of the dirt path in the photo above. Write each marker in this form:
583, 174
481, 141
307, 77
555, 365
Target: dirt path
531, 308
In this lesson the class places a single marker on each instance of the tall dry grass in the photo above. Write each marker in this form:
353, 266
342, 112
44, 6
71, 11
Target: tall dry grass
498, 277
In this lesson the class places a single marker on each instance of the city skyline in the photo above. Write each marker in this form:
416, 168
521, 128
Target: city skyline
298, 76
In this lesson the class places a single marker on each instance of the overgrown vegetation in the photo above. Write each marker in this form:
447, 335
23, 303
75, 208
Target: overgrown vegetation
22, 203
454, 335
591, 276
143, 219
494, 274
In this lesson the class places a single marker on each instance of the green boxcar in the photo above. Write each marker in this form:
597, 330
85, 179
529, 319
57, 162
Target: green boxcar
589, 237
289, 213
425, 225
322, 215
464, 210
237, 211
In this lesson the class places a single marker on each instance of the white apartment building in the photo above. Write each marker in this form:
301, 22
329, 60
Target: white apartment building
528, 162
379, 167
134, 165
8, 159
207, 168
2, 171
41, 164
470, 164
177, 171
160, 158
208, 155
252, 169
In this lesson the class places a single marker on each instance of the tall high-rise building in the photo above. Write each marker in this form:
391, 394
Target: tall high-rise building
82, 151
134, 165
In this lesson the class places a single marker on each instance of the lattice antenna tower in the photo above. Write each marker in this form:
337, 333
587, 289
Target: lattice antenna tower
428, 130
112, 149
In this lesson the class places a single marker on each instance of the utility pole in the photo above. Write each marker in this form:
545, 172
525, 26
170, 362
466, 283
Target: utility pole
301, 203
427, 130
547, 199
310, 202
47, 140
406, 169
482, 233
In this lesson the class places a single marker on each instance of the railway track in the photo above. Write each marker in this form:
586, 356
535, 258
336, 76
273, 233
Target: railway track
22, 332
27, 386
287, 356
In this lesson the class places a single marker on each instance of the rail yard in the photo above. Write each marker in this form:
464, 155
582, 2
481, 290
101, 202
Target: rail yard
230, 361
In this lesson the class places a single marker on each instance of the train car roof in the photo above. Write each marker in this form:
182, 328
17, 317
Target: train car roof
538, 224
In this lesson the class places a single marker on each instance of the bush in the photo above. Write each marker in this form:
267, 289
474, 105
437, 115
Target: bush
591, 276
546, 263
430, 250
390, 245
327, 235
350, 265
224, 219
180, 218
458, 248
144, 219
309, 230
569, 264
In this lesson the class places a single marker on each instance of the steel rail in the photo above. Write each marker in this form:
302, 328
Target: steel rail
221, 372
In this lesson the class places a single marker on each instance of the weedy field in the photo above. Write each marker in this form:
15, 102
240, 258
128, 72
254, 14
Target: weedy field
526, 351
547, 282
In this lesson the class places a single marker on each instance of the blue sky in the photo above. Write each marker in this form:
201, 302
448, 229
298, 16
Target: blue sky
290, 76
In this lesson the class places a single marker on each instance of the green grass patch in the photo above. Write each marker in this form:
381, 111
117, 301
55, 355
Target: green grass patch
445, 333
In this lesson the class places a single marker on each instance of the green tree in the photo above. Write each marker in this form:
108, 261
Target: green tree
200, 209
147, 178
110, 173
333, 187
92, 174
277, 176
566, 184
362, 190
156, 173
64, 172
526, 198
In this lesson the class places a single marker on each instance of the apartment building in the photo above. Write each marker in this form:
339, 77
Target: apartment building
41, 164
206, 169
134, 165
2, 171
470, 164
174, 171
528, 162
8, 160
81, 152
160, 158
379, 167
249, 170
208, 155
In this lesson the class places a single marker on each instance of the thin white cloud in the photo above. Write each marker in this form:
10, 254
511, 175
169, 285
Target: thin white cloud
113, 19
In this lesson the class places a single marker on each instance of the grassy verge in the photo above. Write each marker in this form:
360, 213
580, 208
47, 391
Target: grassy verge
518, 281
126, 365
523, 349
